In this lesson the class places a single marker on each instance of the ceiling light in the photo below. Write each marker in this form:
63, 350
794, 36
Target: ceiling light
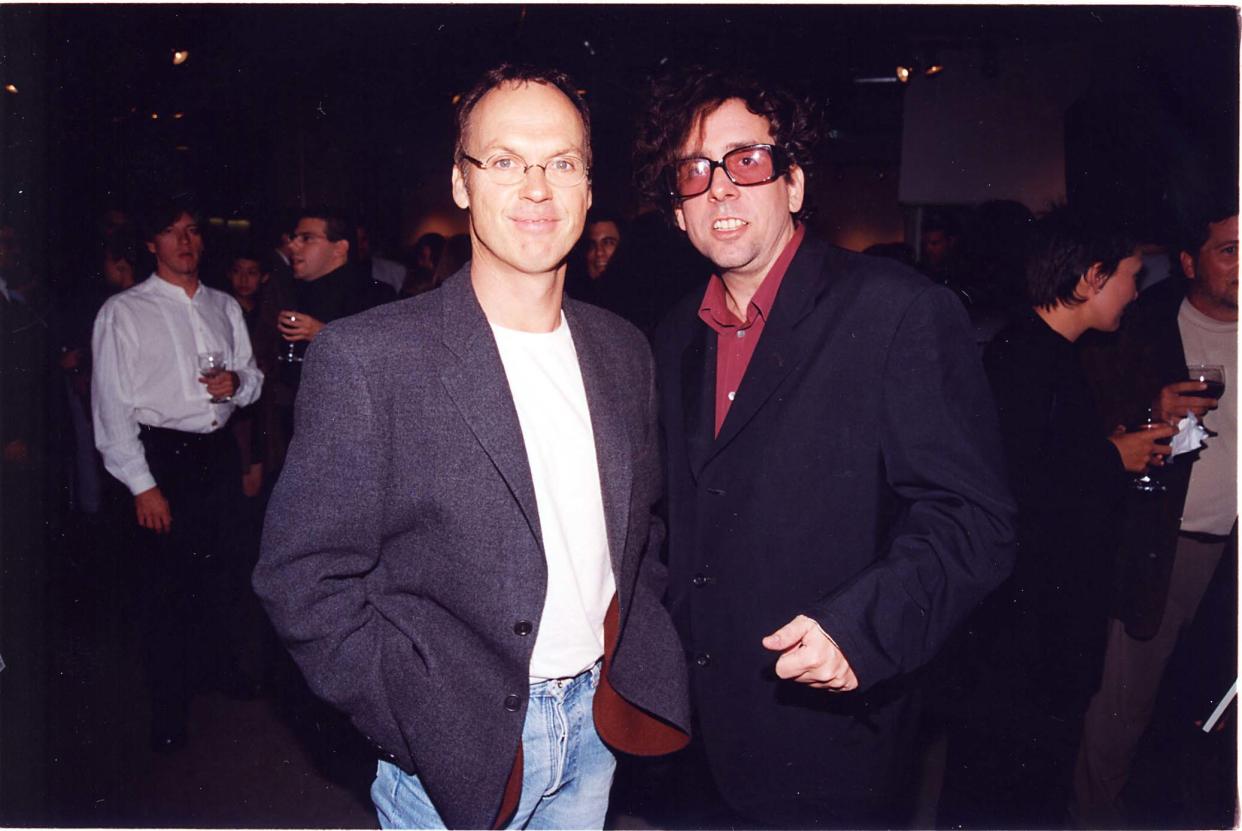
934, 69
178, 115
903, 74
10, 88
180, 57
155, 116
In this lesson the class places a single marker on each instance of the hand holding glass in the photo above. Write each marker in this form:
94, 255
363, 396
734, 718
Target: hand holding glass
211, 364
1211, 374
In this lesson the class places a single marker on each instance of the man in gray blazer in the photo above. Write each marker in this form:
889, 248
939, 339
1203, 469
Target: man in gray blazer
461, 553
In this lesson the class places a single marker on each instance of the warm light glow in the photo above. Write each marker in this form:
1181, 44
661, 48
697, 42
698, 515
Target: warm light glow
934, 69
155, 116
10, 88
183, 147
178, 115
180, 57
903, 74
456, 98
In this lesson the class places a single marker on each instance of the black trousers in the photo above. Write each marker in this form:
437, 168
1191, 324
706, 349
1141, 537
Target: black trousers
193, 577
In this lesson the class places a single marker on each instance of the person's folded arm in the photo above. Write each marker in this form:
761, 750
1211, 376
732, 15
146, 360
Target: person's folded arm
953, 540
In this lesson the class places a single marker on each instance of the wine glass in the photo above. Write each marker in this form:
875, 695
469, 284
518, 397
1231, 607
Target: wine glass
211, 364
292, 351
1144, 482
1211, 374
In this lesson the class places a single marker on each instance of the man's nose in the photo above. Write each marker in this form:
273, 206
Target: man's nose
721, 186
535, 185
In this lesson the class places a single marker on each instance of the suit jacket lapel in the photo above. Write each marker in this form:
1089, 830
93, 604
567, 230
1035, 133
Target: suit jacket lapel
781, 347
613, 451
478, 386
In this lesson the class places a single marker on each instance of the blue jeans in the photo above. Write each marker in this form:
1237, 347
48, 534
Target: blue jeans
566, 769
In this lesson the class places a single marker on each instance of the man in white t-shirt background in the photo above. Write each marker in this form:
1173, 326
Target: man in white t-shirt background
1176, 539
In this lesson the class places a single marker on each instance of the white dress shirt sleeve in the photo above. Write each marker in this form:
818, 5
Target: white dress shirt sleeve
249, 376
114, 344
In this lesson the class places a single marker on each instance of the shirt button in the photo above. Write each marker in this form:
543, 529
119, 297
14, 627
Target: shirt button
731, 394
215, 424
703, 659
741, 333
513, 703
523, 628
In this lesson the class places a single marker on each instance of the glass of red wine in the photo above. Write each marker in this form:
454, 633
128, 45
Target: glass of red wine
1211, 374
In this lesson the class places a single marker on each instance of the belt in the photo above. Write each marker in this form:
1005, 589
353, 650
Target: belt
1200, 536
177, 435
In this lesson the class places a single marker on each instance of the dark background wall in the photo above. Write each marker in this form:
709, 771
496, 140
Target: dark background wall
281, 105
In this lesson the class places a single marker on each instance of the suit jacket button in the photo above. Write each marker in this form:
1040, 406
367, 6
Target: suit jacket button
513, 703
698, 580
703, 659
523, 628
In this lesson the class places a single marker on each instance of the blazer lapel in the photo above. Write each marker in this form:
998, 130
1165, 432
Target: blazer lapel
478, 386
605, 393
781, 347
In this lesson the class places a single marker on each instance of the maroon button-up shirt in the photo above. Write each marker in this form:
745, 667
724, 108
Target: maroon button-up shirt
736, 339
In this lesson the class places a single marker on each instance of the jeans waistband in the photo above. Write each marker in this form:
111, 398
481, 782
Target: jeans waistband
559, 686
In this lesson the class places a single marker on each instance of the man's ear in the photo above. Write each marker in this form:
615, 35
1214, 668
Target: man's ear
796, 182
1091, 283
150, 246
680, 217
1188, 265
461, 195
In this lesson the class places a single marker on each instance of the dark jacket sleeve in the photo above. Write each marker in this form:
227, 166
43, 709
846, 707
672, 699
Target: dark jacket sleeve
321, 538
953, 539
1052, 464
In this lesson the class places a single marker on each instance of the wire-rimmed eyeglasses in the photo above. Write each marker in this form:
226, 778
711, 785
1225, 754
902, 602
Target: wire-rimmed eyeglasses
507, 169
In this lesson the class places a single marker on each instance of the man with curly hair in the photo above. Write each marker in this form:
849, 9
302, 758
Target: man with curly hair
836, 502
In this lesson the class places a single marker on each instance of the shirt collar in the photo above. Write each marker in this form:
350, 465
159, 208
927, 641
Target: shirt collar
714, 309
159, 284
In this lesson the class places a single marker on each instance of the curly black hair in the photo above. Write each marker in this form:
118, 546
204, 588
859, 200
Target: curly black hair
680, 98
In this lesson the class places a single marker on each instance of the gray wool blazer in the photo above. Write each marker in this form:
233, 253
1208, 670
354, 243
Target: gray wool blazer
402, 562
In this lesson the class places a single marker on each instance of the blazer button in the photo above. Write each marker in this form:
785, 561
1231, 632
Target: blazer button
523, 628
513, 703
703, 659
700, 580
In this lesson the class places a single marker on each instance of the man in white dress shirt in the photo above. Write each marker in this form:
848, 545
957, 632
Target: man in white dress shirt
159, 425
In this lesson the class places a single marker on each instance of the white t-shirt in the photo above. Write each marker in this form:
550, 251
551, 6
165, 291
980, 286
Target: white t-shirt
546, 384
1212, 501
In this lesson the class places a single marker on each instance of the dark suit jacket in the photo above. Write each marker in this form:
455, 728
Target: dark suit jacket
1129, 370
402, 554
857, 479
